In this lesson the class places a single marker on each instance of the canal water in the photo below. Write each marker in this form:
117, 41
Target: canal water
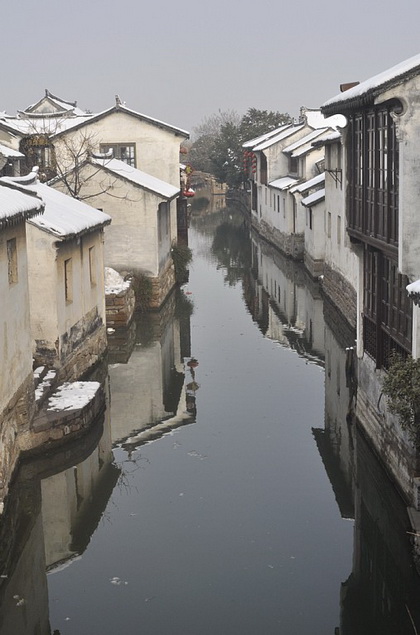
225, 490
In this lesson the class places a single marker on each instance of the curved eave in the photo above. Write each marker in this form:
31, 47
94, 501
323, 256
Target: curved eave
64, 238
366, 99
19, 217
142, 187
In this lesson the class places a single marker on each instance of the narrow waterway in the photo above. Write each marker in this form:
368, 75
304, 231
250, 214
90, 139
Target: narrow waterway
221, 496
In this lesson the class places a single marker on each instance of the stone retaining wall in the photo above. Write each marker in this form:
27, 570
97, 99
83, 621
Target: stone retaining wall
162, 285
291, 245
15, 420
391, 444
341, 294
120, 308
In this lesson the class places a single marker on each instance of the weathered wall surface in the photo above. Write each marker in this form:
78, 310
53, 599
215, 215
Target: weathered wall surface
392, 444
120, 308
290, 244
341, 293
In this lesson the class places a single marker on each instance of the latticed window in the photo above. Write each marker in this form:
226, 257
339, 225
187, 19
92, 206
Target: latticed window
123, 151
387, 310
373, 176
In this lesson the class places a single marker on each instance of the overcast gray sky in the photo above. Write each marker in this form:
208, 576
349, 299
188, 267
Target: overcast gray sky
183, 61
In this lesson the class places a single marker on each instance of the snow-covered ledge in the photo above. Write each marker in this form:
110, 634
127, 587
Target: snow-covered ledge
413, 291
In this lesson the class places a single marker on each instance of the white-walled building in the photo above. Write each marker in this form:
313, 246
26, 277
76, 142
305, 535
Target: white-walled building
66, 280
278, 162
381, 189
16, 379
341, 266
144, 220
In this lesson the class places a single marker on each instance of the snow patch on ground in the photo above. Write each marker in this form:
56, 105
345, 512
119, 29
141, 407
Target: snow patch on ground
73, 395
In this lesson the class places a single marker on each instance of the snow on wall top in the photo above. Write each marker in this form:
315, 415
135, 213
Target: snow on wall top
253, 142
375, 84
137, 177
314, 198
64, 217
283, 183
283, 134
302, 187
316, 120
305, 144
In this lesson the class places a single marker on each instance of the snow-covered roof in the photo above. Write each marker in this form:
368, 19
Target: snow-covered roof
17, 206
300, 147
284, 183
307, 185
43, 107
134, 113
9, 152
30, 125
316, 120
327, 139
28, 122
253, 142
367, 90
64, 217
137, 177
287, 132
314, 198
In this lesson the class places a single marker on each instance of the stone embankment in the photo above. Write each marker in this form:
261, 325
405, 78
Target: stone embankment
120, 299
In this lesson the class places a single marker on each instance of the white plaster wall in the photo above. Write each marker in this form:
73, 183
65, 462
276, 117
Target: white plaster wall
42, 285
339, 254
131, 241
9, 140
85, 295
157, 149
51, 315
277, 162
15, 338
315, 237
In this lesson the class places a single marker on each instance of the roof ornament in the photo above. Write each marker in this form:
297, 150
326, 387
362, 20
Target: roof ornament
118, 101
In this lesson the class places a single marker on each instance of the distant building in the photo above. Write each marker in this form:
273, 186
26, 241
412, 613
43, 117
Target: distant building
58, 137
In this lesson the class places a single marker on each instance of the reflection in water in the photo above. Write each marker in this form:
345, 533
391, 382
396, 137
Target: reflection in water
382, 594
242, 532
149, 392
46, 524
58, 500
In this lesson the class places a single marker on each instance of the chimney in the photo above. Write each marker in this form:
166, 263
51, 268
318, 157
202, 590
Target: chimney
344, 87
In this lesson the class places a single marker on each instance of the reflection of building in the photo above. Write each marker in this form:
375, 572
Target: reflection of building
335, 442
23, 583
74, 499
210, 195
286, 305
382, 593
44, 523
149, 388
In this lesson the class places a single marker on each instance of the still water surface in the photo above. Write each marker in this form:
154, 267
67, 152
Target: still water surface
229, 525
236, 517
